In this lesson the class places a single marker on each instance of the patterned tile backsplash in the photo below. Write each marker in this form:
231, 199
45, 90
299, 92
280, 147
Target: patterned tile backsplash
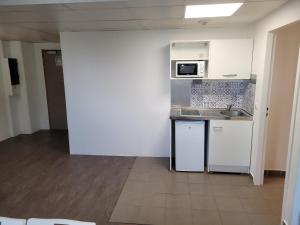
249, 98
220, 93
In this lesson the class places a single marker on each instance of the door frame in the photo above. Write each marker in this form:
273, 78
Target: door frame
258, 175
271, 53
293, 159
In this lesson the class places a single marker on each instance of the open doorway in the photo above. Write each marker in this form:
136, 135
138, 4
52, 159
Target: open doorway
55, 89
281, 99
281, 106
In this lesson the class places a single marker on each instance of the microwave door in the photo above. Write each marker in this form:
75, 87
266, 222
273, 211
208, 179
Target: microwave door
187, 70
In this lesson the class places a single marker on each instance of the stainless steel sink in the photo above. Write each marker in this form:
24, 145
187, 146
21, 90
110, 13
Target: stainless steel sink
233, 113
190, 112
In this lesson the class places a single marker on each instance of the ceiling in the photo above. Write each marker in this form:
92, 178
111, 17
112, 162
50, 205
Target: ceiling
43, 22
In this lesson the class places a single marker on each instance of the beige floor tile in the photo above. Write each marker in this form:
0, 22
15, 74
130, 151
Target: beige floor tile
125, 214
177, 177
200, 202
226, 190
256, 205
161, 164
272, 192
243, 180
131, 198
154, 195
177, 188
163, 171
178, 217
158, 175
235, 218
142, 165
264, 219
220, 179
155, 188
250, 192
275, 205
134, 186
151, 215
153, 200
274, 182
138, 176
201, 217
146, 164
229, 204
201, 189
198, 178
182, 201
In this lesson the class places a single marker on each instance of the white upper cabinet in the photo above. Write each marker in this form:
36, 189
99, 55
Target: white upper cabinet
191, 50
230, 59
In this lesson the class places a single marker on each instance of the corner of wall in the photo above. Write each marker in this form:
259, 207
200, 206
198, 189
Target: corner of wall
6, 129
19, 108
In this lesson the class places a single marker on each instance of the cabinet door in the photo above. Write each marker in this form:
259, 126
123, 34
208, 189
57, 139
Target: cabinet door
189, 145
229, 145
230, 59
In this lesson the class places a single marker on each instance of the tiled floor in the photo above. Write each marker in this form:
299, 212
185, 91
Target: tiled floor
154, 195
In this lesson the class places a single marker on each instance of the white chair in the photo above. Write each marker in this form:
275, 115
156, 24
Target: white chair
35, 221
11, 221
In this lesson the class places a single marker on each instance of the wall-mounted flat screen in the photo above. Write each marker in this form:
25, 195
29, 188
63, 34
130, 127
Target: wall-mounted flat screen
14, 73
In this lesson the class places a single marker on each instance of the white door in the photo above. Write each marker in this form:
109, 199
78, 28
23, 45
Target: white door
291, 205
189, 145
230, 59
229, 146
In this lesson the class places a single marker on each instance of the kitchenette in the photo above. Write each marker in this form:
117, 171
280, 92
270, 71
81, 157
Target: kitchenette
212, 105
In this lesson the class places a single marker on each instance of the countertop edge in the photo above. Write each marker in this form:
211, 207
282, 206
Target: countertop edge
192, 118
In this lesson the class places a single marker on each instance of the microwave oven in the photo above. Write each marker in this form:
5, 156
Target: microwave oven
190, 69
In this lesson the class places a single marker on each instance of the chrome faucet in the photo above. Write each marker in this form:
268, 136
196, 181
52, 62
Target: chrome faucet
229, 107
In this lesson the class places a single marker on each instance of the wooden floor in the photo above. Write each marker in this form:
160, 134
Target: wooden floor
39, 179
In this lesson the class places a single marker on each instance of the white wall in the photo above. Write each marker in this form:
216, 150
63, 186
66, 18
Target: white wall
31, 83
5, 126
118, 89
282, 92
286, 14
19, 101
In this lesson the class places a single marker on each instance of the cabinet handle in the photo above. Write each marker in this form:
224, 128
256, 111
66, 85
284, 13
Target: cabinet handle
230, 75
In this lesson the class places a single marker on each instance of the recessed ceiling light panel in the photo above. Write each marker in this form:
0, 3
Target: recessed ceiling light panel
213, 10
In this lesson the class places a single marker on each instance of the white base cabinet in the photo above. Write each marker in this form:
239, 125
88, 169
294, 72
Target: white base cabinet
189, 145
229, 146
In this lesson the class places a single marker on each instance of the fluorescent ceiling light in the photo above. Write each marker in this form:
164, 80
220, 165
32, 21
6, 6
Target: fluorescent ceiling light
213, 10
